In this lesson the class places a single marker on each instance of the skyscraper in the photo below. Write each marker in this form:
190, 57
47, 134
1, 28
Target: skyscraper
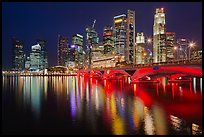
170, 44
159, 37
36, 58
70, 62
62, 52
77, 40
120, 28
44, 55
108, 42
140, 43
92, 41
182, 49
18, 57
130, 56
92, 36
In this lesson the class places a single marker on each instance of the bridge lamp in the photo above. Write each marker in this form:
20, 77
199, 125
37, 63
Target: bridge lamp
149, 40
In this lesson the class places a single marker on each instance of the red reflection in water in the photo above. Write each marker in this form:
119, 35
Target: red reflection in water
173, 89
186, 105
108, 88
146, 98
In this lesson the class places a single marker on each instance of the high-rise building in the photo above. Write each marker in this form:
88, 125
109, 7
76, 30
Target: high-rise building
36, 58
71, 56
91, 36
18, 57
120, 28
170, 44
140, 43
62, 53
196, 55
130, 56
108, 42
92, 41
182, 50
159, 37
77, 41
44, 55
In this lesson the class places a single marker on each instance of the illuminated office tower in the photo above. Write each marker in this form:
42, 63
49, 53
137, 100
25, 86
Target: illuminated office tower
170, 44
36, 59
140, 43
159, 37
182, 49
77, 41
44, 55
120, 36
17, 55
62, 52
108, 42
71, 56
92, 41
130, 56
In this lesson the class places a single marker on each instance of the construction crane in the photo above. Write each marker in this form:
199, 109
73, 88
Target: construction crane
94, 23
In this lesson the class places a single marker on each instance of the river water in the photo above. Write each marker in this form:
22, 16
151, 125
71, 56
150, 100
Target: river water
82, 105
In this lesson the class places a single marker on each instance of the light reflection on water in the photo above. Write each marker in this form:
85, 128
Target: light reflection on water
117, 106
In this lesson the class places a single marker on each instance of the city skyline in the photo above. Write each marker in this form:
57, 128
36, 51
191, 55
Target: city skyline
54, 19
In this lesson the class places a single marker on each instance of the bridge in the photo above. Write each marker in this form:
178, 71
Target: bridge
173, 71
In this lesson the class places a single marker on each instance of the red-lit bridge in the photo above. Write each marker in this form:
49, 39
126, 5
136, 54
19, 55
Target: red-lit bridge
173, 70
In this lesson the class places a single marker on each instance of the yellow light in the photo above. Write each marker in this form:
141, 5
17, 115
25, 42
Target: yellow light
118, 20
145, 54
191, 44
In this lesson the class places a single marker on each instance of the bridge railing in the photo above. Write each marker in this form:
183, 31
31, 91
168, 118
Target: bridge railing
174, 62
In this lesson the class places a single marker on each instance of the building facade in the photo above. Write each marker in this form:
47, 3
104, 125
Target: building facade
159, 37
36, 58
196, 55
92, 41
44, 54
108, 42
77, 40
18, 57
62, 50
170, 44
130, 56
120, 28
182, 49
140, 43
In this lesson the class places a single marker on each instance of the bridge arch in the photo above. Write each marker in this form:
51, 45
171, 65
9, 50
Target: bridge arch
187, 70
114, 74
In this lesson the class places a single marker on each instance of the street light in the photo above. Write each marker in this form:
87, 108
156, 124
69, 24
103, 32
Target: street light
149, 40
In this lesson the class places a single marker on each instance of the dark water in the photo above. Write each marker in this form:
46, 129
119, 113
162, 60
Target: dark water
78, 105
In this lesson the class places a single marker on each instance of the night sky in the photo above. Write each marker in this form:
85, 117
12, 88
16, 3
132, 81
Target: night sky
31, 21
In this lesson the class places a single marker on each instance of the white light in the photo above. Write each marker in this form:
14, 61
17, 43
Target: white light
123, 15
201, 85
80, 36
194, 84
